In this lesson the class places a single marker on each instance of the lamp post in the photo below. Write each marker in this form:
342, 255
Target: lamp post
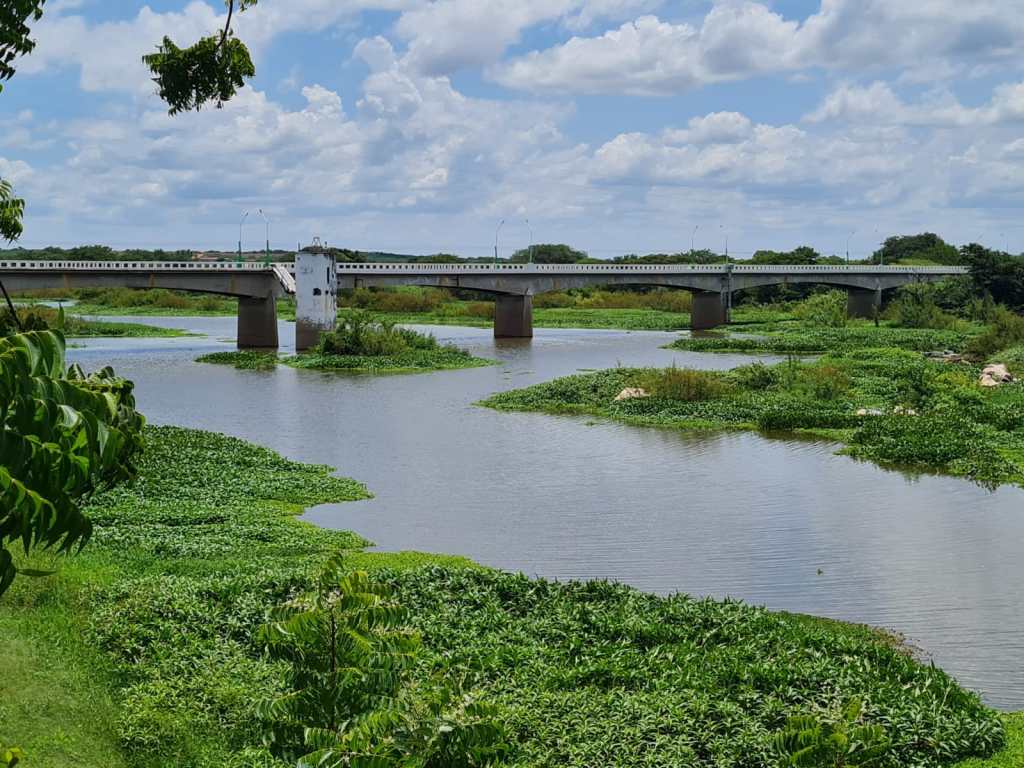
245, 215
726, 233
267, 222
530, 227
852, 232
496, 231
693, 235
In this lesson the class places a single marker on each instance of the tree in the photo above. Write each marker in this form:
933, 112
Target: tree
14, 42
926, 246
212, 69
995, 274
549, 253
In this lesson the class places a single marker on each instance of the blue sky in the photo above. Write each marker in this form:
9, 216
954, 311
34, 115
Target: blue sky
614, 125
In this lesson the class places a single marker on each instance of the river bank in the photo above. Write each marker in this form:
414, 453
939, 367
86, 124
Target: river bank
155, 619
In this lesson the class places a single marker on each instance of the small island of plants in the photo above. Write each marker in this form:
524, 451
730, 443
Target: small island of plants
362, 345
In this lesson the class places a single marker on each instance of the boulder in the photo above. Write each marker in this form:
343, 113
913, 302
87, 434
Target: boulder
994, 374
868, 412
631, 392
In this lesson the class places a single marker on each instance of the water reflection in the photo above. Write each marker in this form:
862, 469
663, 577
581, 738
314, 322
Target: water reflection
718, 514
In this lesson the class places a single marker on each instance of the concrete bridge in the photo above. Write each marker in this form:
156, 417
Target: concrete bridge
515, 285
258, 286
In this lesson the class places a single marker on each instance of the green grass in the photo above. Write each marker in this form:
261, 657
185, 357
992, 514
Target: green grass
411, 361
81, 328
242, 359
153, 627
953, 425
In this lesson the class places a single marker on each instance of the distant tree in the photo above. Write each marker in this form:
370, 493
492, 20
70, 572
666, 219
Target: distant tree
995, 274
803, 254
549, 253
926, 246
699, 256
438, 258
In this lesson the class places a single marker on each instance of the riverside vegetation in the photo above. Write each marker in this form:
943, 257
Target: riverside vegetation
39, 318
211, 616
163, 611
362, 345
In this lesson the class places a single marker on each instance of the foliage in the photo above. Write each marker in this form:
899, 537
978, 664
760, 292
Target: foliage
10, 756
802, 255
245, 360
14, 33
685, 384
212, 69
826, 310
11, 209
549, 253
995, 274
926, 247
1012, 756
807, 339
915, 306
1006, 330
62, 435
348, 698
41, 318
812, 742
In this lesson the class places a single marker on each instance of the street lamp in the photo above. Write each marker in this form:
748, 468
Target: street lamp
695, 228
726, 233
267, 222
530, 227
852, 233
496, 231
245, 215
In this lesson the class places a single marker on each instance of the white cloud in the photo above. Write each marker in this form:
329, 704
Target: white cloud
741, 38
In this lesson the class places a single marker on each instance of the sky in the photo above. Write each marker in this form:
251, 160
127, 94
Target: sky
617, 126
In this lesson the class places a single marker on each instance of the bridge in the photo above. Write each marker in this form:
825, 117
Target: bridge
314, 279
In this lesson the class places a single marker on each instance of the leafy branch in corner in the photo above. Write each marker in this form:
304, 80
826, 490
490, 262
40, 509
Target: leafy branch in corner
212, 69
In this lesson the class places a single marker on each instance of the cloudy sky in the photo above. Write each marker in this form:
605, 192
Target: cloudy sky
615, 125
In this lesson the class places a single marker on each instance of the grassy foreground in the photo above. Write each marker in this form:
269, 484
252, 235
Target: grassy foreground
153, 628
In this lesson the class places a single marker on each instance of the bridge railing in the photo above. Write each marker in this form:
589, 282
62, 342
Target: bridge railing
530, 269
132, 266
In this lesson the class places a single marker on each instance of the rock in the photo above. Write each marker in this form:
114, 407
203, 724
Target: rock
868, 412
901, 411
631, 392
994, 374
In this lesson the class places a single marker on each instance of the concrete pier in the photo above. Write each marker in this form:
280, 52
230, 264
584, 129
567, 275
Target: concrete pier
863, 303
513, 317
257, 322
316, 297
710, 310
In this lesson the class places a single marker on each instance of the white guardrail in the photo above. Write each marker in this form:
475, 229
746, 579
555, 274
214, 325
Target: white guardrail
417, 269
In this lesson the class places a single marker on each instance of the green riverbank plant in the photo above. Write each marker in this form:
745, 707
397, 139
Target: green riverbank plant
63, 434
810, 741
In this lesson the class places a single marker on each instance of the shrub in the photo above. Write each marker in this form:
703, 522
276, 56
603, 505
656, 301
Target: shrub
823, 382
755, 376
684, 384
915, 307
825, 309
1006, 330
357, 334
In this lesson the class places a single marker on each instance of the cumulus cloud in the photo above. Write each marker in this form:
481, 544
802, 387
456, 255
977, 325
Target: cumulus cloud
742, 38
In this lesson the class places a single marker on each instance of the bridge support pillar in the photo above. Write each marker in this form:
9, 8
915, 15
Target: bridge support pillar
863, 302
710, 310
257, 323
513, 317
316, 297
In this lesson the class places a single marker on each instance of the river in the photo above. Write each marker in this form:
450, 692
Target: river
782, 523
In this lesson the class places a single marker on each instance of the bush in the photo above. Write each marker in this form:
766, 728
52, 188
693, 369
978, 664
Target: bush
755, 376
823, 382
824, 309
357, 334
684, 384
915, 307
1006, 330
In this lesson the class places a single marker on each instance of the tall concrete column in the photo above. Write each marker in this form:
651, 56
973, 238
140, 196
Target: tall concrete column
316, 297
513, 317
710, 310
863, 302
257, 323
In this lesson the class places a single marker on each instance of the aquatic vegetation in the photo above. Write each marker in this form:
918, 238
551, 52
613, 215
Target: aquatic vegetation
891, 406
243, 359
41, 318
799, 339
187, 561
